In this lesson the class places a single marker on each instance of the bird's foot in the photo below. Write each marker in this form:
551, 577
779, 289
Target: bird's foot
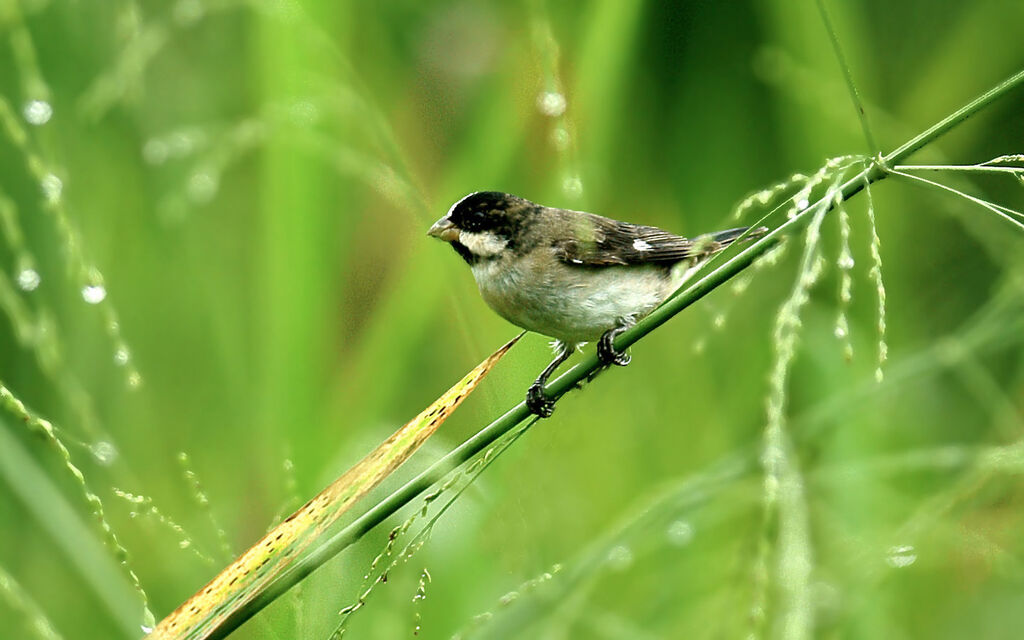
538, 403
606, 351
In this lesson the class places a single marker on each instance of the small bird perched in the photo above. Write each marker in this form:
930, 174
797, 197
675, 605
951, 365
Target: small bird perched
570, 275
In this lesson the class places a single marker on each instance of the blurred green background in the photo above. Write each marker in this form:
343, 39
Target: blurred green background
213, 220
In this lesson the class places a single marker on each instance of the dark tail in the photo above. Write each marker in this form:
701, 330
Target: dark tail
727, 237
722, 239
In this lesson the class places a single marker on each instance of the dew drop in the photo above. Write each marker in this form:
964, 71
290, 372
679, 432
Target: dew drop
28, 279
879, 376
846, 261
37, 112
94, 293
104, 452
572, 186
122, 356
757, 613
134, 380
719, 320
148, 621
201, 187
183, 142
52, 187
184, 544
802, 203
680, 533
620, 558
551, 103
304, 112
840, 332
560, 138
901, 556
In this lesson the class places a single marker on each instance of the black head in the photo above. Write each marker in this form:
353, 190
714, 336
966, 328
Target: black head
486, 211
498, 216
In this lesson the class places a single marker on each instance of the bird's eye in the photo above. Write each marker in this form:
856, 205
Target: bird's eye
475, 219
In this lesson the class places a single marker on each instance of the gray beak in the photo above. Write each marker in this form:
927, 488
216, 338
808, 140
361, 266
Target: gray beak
445, 230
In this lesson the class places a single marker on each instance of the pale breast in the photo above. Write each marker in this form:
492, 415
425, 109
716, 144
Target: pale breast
566, 302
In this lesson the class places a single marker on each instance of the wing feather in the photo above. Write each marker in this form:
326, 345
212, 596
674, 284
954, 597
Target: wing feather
600, 241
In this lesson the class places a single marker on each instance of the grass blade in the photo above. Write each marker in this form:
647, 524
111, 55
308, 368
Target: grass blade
244, 578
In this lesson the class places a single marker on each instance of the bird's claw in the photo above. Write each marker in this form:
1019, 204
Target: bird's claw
607, 353
538, 403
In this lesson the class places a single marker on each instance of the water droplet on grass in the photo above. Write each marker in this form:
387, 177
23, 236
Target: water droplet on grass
122, 356
94, 293
202, 187
104, 452
37, 112
185, 141
52, 187
560, 138
28, 279
680, 533
551, 103
620, 558
901, 556
572, 186
148, 621
304, 112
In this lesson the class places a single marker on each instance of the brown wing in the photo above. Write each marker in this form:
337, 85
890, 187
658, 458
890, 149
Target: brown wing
600, 241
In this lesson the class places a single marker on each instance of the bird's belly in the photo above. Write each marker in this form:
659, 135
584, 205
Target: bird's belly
573, 304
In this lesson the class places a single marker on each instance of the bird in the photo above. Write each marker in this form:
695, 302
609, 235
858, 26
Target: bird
570, 275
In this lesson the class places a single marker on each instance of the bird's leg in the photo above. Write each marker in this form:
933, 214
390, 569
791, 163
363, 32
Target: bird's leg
538, 403
606, 350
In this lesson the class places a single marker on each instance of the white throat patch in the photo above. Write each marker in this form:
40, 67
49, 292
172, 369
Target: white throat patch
483, 243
